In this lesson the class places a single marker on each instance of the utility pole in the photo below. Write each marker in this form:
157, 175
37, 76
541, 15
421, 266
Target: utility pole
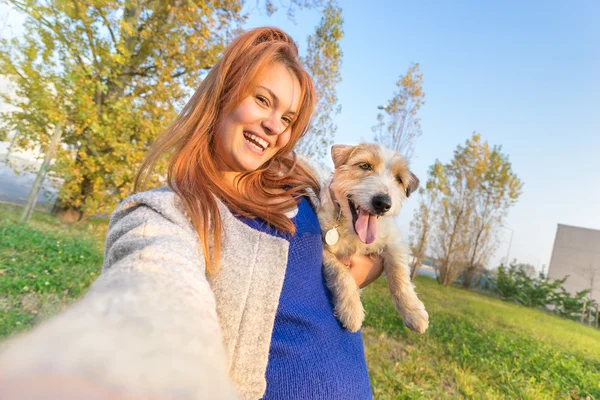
39, 179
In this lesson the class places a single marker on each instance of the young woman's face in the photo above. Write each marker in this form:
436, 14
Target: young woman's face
260, 125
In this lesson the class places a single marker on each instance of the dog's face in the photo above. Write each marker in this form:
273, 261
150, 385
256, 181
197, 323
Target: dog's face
370, 181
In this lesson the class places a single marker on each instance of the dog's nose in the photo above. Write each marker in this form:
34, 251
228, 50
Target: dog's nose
382, 203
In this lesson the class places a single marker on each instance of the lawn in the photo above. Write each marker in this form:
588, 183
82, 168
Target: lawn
44, 266
477, 347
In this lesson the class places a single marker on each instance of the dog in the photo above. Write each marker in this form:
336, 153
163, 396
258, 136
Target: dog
358, 206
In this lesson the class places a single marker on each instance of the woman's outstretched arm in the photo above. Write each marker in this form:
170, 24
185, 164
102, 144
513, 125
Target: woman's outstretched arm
148, 326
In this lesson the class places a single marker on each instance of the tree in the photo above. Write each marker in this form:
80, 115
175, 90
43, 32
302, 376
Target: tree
324, 60
398, 126
421, 227
475, 191
451, 216
495, 188
112, 73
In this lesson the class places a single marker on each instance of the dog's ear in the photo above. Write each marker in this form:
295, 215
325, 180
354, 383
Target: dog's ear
340, 153
413, 184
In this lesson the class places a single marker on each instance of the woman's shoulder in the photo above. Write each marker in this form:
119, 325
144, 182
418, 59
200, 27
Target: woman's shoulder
162, 201
154, 219
159, 208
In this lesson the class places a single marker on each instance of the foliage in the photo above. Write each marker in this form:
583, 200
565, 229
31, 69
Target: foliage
505, 283
472, 195
570, 306
451, 222
496, 188
398, 126
324, 61
515, 283
536, 292
292, 6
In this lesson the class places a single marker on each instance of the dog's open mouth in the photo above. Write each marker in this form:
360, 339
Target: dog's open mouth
365, 224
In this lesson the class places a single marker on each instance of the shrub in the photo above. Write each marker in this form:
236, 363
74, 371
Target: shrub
515, 284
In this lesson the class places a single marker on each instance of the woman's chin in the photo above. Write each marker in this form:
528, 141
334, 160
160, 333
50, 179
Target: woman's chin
250, 165
251, 162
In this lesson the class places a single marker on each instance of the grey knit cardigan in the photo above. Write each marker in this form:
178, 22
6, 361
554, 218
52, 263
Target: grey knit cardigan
154, 322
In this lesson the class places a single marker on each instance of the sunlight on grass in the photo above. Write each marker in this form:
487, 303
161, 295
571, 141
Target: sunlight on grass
477, 347
44, 266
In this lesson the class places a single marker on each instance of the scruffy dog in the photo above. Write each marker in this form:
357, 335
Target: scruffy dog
357, 212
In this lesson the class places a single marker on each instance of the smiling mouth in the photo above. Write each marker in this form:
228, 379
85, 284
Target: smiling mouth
260, 145
365, 224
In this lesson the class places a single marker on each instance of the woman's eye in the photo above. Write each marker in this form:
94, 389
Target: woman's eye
263, 100
287, 120
365, 166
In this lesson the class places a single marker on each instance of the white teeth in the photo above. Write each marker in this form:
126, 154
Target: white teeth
256, 141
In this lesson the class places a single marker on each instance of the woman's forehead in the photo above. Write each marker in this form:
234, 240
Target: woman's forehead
281, 82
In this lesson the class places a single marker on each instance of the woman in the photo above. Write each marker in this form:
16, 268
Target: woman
253, 318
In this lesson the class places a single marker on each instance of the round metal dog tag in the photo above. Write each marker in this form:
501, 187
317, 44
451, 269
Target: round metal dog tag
332, 236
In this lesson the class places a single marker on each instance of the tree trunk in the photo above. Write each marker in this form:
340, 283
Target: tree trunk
413, 271
447, 279
65, 212
468, 277
39, 179
70, 213
11, 147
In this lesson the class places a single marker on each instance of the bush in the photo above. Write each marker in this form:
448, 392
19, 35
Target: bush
568, 306
515, 284
505, 284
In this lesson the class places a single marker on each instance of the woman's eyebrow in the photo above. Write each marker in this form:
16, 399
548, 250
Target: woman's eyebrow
274, 96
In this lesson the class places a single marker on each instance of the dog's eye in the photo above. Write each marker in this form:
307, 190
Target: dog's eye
399, 179
365, 166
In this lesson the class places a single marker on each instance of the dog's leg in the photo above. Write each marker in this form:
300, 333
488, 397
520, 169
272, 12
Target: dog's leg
395, 263
346, 297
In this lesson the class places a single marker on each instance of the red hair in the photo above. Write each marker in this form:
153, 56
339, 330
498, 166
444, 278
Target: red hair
192, 171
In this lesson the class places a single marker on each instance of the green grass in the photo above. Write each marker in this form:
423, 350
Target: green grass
44, 265
477, 347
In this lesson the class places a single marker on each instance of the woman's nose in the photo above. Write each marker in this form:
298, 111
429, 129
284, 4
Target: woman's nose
273, 125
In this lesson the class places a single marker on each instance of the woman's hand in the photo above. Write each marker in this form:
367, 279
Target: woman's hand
364, 269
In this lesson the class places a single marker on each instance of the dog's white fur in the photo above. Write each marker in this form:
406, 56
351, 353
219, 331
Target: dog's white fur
348, 179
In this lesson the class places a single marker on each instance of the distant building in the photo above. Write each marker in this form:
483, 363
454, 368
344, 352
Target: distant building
577, 253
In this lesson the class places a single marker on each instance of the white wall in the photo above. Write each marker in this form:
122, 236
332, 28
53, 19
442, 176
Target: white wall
577, 253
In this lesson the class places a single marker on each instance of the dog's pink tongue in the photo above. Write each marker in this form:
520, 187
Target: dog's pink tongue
366, 227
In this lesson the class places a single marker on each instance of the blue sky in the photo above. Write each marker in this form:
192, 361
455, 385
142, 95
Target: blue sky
525, 75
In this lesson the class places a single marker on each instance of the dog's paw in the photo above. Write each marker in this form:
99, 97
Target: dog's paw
351, 314
416, 319
352, 321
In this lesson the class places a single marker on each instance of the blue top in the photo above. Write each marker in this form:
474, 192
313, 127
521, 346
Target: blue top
312, 356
